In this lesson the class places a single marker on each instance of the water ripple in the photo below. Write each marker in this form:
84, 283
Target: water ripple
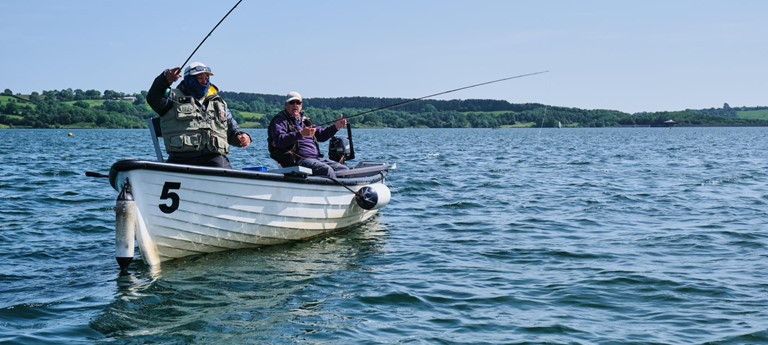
577, 236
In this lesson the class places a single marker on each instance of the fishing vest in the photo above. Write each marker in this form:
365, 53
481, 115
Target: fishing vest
187, 127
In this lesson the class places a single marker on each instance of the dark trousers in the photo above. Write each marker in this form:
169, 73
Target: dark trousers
322, 166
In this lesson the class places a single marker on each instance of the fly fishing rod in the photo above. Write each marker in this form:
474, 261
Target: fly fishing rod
209, 34
97, 174
350, 154
438, 94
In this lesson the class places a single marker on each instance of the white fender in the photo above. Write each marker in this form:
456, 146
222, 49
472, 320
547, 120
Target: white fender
373, 196
125, 227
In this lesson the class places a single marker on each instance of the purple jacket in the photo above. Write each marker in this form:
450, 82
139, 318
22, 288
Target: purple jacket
284, 136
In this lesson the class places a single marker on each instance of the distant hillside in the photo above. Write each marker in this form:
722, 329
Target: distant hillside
94, 109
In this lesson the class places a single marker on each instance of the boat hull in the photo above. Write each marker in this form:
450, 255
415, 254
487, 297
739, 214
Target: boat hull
184, 210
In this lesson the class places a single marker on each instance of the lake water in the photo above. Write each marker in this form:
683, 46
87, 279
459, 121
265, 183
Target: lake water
493, 236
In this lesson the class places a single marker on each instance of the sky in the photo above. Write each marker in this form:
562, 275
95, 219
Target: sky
631, 56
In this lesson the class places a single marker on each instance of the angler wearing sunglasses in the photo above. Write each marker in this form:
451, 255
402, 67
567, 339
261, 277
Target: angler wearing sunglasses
292, 139
196, 125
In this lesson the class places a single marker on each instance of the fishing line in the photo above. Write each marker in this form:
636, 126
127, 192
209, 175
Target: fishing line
437, 94
209, 34
546, 107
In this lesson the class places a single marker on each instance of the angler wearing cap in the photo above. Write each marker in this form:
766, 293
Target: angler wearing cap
292, 139
196, 125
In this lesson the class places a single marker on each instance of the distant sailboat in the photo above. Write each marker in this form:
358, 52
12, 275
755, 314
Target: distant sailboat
559, 125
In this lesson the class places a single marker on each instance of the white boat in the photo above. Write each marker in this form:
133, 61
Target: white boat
174, 210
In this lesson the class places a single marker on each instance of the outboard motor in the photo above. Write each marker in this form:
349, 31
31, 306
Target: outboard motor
338, 149
342, 149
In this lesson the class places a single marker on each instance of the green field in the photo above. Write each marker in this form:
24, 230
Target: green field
753, 114
497, 112
91, 102
520, 125
251, 119
5, 99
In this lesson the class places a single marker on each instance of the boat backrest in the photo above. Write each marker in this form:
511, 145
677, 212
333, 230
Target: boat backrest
154, 132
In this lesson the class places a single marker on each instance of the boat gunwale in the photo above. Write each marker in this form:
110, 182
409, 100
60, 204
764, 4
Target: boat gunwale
137, 164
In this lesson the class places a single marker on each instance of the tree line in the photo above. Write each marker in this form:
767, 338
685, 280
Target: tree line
111, 109
484, 113
64, 108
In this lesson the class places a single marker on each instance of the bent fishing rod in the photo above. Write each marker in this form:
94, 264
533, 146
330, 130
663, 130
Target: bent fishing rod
97, 174
438, 94
209, 34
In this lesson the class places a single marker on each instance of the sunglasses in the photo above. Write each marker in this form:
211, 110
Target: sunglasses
196, 69
295, 102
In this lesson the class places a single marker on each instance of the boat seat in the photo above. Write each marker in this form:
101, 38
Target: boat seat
154, 132
292, 171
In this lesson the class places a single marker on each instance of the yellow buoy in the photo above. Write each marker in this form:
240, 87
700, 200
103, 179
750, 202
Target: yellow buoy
69, 134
